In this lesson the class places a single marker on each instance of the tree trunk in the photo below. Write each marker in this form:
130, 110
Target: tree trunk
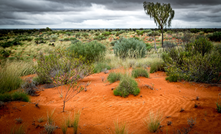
162, 36
63, 105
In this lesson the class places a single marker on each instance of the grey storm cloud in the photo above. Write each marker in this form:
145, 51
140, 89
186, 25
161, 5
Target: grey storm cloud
113, 13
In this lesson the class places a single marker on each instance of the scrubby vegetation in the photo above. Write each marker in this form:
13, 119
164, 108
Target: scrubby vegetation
131, 48
112, 77
140, 72
127, 86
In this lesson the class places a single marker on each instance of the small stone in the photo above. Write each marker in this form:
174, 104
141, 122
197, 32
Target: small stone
112, 88
141, 96
169, 123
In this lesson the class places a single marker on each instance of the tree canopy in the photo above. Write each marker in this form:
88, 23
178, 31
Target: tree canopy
161, 13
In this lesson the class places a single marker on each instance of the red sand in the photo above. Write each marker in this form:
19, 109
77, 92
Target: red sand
100, 108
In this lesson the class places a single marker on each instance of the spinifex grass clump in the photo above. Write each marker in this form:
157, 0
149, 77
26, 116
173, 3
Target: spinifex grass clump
127, 86
153, 122
131, 48
76, 121
140, 72
112, 77
10, 74
157, 66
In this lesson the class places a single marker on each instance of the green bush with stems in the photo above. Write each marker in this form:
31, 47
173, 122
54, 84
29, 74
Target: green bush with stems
131, 48
106, 33
153, 122
113, 77
5, 53
61, 68
157, 66
193, 63
127, 86
10, 73
140, 72
91, 51
202, 45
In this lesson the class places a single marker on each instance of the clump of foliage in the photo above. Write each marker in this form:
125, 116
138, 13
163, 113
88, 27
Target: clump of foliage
101, 66
106, 33
127, 86
16, 96
218, 106
140, 72
112, 77
149, 47
100, 37
131, 48
215, 36
5, 53
196, 62
120, 129
157, 66
61, 68
91, 51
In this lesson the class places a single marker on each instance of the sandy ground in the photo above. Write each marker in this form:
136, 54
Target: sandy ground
100, 108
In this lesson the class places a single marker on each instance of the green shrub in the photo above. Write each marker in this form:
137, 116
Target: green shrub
59, 63
77, 35
215, 36
112, 77
16, 96
140, 72
92, 51
106, 33
157, 66
129, 48
149, 47
100, 37
127, 86
218, 105
101, 66
5, 53
202, 45
20, 96
5, 97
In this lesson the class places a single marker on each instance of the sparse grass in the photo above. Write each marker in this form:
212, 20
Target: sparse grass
113, 77
41, 119
50, 118
18, 130
64, 127
76, 121
140, 72
16, 96
153, 122
120, 129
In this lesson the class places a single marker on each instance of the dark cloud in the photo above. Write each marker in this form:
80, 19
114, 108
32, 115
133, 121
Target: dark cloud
57, 12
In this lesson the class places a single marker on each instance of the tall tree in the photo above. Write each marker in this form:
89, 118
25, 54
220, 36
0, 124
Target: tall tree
161, 13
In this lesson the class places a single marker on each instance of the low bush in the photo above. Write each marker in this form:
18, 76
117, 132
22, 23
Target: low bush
131, 48
127, 86
215, 36
60, 63
91, 51
5, 53
100, 37
140, 72
101, 66
49, 128
112, 77
157, 66
106, 33
202, 45
16, 96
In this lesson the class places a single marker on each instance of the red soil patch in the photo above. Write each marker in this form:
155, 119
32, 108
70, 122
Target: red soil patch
100, 108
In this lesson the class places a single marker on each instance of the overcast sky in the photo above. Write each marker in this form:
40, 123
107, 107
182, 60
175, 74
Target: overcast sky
104, 14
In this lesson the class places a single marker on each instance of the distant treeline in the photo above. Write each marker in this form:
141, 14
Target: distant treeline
4, 32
